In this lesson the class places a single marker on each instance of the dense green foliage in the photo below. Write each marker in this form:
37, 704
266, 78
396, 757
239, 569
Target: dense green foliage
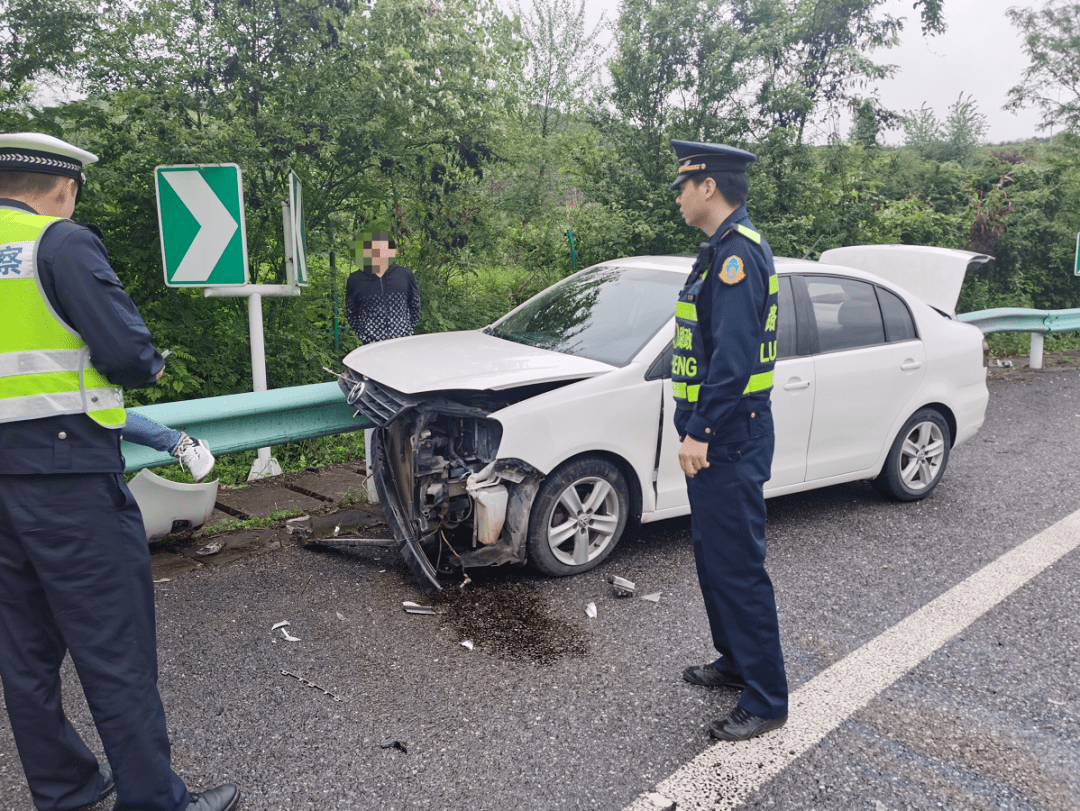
482, 139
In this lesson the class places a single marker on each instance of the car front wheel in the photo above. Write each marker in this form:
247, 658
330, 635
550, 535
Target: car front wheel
918, 457
577, 517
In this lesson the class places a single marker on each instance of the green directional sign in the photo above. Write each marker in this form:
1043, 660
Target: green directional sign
201, 218
299, 228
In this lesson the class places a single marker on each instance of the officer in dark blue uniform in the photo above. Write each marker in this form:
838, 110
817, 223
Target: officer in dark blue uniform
722, 368
74, 562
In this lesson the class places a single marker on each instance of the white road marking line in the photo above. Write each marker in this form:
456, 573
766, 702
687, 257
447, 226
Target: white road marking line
726, 774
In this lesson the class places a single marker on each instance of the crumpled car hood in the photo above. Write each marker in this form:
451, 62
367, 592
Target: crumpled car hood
470, 360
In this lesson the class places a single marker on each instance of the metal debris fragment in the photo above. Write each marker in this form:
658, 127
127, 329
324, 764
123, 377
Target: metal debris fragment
281, 624
468, 643
307, 683
622, 586
414, 608
652, 598
394, 745
590, 610
289, 637
211, 548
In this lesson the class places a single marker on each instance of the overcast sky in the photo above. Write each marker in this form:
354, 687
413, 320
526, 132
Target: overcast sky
979, 54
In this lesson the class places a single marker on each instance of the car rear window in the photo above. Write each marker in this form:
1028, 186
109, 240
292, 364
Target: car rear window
602, 313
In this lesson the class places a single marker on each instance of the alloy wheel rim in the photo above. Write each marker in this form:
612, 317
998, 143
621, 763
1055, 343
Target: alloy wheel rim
583, 521
921, 456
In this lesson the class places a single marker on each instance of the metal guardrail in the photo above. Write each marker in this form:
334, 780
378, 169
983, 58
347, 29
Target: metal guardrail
239, 422
1018, 319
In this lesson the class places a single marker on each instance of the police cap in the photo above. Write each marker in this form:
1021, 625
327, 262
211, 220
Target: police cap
698, 158
43, 154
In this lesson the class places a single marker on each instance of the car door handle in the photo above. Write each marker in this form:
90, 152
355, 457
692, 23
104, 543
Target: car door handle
794, 385
910, 365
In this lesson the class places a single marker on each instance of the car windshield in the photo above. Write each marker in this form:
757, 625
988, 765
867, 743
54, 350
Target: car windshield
602, 313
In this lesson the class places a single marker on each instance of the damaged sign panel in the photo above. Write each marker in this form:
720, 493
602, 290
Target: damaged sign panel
539, 438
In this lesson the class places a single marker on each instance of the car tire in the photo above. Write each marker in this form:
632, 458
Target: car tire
917, 459
578, 516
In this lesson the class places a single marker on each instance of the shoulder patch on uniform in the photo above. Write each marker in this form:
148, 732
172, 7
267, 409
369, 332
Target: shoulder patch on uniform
731, 272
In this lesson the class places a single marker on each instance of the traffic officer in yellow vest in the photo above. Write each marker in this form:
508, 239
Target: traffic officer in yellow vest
722, 368
74, 563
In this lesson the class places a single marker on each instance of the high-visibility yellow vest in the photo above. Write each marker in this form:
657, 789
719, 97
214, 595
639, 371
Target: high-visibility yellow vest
45, 368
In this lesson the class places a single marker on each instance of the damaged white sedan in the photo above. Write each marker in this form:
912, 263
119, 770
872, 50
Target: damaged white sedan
539, 438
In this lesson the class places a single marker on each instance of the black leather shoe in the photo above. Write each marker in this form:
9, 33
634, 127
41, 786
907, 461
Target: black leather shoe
107, 784
222, 798
709, 676
741, 726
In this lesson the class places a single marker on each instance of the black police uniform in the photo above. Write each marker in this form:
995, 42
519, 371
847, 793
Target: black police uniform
74, 562
733, 292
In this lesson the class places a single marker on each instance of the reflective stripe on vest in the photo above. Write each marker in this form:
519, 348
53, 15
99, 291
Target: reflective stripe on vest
45, 368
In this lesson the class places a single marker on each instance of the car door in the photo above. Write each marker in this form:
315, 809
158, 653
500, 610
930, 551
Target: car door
793, 406
867, 368
793, 392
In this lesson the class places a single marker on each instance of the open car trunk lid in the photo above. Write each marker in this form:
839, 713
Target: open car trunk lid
934, 275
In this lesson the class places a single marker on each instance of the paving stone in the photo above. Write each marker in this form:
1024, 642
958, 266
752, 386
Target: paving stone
259, 499
333, 483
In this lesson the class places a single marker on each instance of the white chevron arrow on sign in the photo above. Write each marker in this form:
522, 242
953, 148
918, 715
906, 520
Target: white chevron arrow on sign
216, 226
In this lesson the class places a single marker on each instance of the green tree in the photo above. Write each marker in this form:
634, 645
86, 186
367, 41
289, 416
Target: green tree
1052, 80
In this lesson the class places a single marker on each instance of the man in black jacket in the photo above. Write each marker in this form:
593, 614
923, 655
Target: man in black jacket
382, 301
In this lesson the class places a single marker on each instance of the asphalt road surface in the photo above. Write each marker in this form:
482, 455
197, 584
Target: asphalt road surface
971, 703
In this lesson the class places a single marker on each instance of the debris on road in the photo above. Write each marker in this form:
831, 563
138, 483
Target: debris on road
308, 683
281, 624
299, 527
289, 637
341, 616
394, 745
622, 586
590, 610
211, 548
468, 643
414, 608
652, 598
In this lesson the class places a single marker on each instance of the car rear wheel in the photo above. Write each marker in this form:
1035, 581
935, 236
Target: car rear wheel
918, 457
577, 517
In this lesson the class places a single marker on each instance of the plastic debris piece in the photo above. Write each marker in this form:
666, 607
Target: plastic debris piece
467, 644
164, 580
341, 616
394, 745
622, 586
307, 683
590, 610
289, 637
281, 624
652, 598
414, 608
211, 548
337, 530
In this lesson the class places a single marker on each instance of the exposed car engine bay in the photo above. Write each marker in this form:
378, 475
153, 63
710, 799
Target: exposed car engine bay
449, 500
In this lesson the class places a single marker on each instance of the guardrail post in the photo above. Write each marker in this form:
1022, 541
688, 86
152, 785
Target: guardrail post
1035, 358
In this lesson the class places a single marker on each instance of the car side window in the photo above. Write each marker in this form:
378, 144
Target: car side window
899, 325
785, 322
846, 312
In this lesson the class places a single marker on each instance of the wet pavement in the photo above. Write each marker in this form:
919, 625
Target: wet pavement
553, 710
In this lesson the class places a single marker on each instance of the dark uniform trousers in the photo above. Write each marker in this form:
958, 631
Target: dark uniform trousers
727, 522
75, 577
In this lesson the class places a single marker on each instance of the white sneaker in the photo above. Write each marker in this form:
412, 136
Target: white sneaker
195, 455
